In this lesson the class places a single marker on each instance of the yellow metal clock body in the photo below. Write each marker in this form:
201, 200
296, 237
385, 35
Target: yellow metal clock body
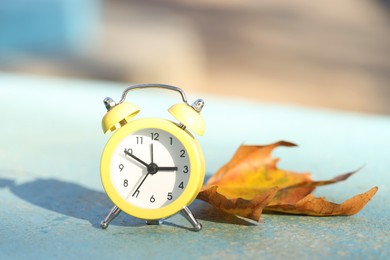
152, 168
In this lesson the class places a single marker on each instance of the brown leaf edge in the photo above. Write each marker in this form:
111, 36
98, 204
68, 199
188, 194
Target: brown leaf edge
294, 193
320, 207
251, 209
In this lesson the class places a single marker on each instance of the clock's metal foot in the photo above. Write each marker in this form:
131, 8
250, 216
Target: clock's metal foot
111, 215
154, 222
186, 212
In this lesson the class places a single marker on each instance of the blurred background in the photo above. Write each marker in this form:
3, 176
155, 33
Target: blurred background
333, 54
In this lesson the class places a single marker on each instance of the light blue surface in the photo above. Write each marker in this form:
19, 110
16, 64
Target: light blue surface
52, 201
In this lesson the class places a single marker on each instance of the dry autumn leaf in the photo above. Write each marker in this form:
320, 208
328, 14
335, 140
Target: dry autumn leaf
251, 183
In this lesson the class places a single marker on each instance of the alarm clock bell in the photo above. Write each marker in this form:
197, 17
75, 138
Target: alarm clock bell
117, 115
189, 116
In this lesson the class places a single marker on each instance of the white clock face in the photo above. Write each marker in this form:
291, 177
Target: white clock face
150, 168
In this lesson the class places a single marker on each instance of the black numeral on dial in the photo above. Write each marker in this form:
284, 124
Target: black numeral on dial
152, 199
155, 136
181, 185
140, 139
136, 194
170, 196
130, 151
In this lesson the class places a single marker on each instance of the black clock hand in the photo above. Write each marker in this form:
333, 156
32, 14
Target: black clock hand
167, 168
136, 158
151, 152
159, 168
152, 167
139, 186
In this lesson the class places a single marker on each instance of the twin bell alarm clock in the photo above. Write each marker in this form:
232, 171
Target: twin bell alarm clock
152, 168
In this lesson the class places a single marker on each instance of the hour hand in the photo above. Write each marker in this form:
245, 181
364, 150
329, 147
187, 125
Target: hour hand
135, 158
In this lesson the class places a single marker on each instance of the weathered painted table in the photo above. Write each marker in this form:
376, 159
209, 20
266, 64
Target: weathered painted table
52, 201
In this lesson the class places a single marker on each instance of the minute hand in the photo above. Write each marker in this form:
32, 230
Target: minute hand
167, 169
136, 158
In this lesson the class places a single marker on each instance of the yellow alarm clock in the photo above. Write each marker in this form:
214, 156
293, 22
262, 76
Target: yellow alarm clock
152, 168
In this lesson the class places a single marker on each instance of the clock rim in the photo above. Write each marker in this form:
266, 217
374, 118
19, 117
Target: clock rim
197, 168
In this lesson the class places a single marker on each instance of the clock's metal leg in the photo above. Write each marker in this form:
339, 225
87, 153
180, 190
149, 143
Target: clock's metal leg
186, 212
154, 222
111, 215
